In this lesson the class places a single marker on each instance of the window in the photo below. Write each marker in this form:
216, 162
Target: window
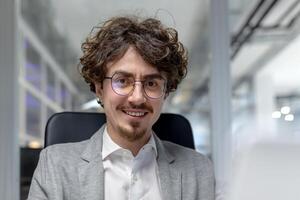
33, 116
32, 66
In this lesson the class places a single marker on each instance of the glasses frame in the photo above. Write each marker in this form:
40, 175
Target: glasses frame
135, 81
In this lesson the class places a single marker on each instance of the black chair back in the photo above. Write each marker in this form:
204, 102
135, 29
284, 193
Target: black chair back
77, 126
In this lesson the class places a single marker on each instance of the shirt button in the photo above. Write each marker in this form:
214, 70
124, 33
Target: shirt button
134, 178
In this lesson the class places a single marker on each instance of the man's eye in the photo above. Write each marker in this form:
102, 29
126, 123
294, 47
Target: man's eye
122, 81
151, 83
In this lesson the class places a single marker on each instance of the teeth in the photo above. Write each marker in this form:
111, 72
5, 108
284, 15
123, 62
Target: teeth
135, 114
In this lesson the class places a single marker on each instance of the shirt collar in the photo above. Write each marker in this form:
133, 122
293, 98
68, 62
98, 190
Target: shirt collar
109, 146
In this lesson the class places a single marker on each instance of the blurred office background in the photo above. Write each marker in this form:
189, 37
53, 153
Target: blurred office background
243, 82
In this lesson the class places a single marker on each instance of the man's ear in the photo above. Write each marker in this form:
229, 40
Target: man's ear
99, 90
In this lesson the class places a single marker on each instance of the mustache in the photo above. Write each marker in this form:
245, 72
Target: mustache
141, 107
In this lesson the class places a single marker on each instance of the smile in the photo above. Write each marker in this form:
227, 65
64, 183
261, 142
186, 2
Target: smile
135, 114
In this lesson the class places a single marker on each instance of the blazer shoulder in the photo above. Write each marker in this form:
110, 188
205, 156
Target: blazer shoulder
64, 151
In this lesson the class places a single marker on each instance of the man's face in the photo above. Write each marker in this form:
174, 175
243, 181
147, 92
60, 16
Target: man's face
130, 117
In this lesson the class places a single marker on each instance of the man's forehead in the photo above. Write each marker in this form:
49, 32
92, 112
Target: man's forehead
132, 63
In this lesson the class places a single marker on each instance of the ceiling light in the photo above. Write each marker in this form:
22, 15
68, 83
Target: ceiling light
34, 144
289, 117
276, 114
285, 110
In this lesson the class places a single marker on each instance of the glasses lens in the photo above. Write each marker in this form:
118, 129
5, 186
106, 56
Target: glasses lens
122, 84
154, 87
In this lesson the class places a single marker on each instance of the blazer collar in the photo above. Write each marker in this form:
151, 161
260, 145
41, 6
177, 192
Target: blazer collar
169, 174
163, 153
94, 146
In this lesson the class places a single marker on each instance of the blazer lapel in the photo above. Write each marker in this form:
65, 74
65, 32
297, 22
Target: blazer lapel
91, 172
170, 177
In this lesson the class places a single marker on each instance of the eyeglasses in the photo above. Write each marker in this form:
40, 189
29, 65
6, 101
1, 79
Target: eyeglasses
123, 84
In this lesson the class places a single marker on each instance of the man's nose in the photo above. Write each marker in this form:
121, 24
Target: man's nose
137, 96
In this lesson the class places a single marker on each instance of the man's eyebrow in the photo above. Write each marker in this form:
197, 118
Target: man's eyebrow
155, 75
152, 75
125, 73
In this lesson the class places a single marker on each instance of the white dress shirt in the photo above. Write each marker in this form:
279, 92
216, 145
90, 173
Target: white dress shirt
128, 177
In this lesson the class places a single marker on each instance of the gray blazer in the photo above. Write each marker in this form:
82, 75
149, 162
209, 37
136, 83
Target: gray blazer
74, 171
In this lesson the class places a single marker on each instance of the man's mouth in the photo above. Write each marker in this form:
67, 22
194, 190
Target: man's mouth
135, 114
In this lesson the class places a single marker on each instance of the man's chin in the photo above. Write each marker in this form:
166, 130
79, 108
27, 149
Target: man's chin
132, 132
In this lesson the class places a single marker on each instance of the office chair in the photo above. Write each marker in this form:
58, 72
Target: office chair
77, 126
28, 161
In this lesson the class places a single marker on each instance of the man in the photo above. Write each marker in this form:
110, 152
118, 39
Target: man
131, 65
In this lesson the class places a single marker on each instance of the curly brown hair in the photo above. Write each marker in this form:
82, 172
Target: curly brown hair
157, 44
